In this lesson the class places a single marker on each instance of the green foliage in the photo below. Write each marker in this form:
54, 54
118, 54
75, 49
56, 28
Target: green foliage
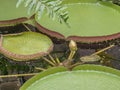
54, 8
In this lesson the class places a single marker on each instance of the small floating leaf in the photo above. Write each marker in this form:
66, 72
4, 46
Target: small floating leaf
25, 46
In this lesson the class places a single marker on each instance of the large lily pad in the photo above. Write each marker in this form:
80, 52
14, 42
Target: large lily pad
84, 77
9, 14
90, 22
25, 46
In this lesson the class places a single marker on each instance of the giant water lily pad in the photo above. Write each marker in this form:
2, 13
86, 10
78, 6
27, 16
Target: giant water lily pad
84, 77
90, 22
9, 14
25, 46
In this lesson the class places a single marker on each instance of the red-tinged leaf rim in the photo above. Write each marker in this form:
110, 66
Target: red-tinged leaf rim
25, 46
10, 15
48, 32
94, 39
94, 22
13, 21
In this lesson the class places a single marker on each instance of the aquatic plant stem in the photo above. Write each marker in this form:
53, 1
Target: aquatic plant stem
26, 27
72, 53
47, 60
18, 75
76, 64
57, 60
73, 49
52, 59
41, 69
104, 49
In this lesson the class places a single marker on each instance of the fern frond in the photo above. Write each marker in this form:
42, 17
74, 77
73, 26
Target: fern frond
27, 2
54, 8
19, 2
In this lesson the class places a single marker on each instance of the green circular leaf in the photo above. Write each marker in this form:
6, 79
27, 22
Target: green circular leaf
86, 19
27, 45
84, 77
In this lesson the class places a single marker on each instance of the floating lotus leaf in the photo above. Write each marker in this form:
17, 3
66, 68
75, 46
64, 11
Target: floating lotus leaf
90, 22
84, 77
25, 46
9, 14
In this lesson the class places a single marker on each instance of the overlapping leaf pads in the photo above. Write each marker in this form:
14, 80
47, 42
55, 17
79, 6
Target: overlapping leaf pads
89, 22
25, 46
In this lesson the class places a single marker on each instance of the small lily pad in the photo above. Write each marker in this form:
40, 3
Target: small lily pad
25, 46
84, 77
